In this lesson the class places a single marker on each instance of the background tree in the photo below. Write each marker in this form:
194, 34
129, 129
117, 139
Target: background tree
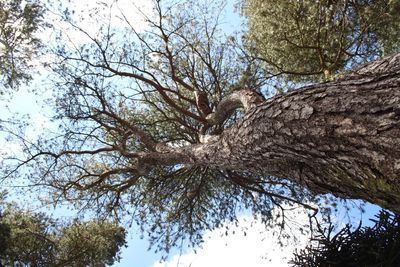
35, 239
93, 243
20, 22
134, 139
313, 40
378, 245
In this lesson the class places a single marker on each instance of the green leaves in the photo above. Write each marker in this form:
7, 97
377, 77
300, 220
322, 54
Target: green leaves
93, 243
35, 239
365, 246
313, 40
20, 22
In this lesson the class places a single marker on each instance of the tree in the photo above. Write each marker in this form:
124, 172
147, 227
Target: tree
313, 40
94, 243
35, 239
134, 139
20, 21
365, 246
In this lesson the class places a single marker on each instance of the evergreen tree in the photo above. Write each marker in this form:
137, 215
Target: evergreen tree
34, 239
314, 40
20, 21
378, 245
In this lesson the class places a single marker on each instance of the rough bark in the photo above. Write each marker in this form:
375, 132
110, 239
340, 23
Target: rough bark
341, 137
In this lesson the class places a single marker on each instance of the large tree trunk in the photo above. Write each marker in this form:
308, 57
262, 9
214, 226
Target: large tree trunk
341, 137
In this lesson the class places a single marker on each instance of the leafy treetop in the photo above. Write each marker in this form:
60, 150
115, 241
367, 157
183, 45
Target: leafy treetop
313, 40
35, 239
20, 21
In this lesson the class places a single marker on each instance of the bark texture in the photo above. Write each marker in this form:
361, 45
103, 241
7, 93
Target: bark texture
341, 137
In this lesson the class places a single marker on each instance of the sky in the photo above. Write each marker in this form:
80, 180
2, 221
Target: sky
258, 247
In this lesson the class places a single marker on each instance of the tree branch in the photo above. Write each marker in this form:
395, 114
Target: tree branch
246, 99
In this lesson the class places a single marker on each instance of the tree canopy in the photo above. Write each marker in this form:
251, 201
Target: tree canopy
20, 22
35, 239
143, 114
313, 40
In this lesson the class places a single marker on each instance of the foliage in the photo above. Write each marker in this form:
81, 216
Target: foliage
378, 245
20, 21
313, 40
34, 239
95, 243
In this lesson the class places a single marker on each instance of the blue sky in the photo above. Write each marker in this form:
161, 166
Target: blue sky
258, 248
231, 249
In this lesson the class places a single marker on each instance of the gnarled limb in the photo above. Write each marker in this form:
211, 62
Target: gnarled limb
245, 99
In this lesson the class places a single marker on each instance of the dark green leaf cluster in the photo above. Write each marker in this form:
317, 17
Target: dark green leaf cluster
378, 245
34, 239
313, 40
20, 21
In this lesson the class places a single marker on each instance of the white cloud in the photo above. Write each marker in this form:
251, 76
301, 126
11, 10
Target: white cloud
259, 247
